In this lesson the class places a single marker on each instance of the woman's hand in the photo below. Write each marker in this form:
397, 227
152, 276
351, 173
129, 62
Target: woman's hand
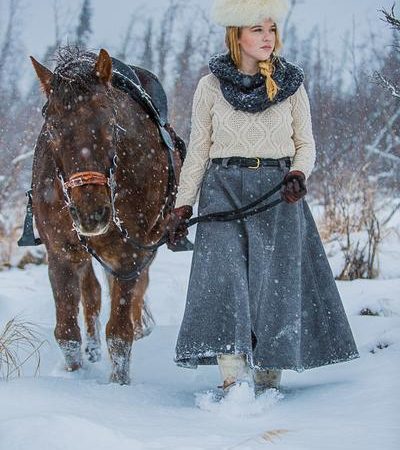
294, 186
177, 224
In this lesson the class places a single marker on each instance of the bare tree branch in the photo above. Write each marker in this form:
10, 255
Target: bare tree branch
373, 148
386, 84
390, 17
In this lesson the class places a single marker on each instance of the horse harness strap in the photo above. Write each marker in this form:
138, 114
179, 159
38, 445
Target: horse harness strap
128, 276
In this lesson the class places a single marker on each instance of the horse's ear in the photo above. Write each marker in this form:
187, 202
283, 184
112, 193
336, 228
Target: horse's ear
103, 67
44, 74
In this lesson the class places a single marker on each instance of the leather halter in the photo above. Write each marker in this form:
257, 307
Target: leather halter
83, 178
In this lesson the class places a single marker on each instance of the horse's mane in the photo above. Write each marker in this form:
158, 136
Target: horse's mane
74, 75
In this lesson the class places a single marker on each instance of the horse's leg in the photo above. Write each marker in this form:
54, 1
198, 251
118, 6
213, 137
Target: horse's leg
141, 317
119, 329
91, 300
64, 278
130, 320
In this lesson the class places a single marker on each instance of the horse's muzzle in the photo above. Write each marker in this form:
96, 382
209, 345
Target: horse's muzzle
91, 223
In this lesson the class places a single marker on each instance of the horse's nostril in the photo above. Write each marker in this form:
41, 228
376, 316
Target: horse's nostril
102, 214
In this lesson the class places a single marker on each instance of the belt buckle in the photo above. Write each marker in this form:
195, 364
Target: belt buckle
257, 166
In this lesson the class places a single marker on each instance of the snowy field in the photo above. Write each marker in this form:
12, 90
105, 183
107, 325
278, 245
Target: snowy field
348, 406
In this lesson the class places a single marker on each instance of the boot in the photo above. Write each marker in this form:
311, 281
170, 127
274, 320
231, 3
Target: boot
234, 370
266, 379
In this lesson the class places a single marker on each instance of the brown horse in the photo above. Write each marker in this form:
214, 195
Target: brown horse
89, 124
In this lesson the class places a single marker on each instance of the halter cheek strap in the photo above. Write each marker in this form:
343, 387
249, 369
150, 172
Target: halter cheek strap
83, 178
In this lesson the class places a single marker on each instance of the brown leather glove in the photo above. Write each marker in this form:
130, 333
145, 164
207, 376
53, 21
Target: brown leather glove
177, 223
294, 186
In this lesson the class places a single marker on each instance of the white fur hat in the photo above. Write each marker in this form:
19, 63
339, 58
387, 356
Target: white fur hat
245, 13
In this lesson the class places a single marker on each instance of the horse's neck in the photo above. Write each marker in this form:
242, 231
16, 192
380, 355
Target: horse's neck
141, 155
140, 144
142, 176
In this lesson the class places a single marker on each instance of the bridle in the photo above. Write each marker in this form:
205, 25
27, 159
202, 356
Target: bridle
85, 178
96, 178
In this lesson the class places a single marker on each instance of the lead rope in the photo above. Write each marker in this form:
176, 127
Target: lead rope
240, 213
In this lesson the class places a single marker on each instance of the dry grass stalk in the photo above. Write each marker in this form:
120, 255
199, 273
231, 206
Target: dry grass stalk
354, 216
269, 436
19, 342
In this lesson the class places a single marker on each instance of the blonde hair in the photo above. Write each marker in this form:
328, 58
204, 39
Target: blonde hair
267, 68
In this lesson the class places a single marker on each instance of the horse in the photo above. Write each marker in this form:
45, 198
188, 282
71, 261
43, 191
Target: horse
100, 167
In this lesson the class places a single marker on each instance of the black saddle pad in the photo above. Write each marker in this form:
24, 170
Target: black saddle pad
149, 82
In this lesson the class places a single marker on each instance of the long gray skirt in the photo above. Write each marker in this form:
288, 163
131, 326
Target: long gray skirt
261, 286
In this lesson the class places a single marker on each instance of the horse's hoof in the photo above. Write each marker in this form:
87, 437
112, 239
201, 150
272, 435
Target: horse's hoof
122, 379
73, 367
120, 351
72, 354
93, 354
93, 344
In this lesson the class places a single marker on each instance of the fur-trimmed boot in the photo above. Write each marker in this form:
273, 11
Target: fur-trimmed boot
234, 371
266, 379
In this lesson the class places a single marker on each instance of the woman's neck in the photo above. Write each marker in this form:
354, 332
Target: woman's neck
248, 66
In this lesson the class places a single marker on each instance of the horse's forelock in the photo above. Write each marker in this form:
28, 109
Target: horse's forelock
74, 74
67, 56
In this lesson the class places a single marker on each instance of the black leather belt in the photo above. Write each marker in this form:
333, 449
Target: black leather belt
252, 163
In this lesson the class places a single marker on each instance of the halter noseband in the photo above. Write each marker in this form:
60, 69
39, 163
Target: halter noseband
83, 178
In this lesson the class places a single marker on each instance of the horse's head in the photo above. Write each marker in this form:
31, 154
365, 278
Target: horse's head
80, 126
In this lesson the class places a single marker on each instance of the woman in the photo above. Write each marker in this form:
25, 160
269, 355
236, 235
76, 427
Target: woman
261, 295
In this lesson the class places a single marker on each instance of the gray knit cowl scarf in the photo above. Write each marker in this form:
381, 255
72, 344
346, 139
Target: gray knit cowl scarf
248, 92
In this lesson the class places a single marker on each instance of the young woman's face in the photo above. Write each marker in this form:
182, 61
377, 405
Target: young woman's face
258, 42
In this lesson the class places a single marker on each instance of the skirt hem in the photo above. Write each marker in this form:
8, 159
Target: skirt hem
210, 359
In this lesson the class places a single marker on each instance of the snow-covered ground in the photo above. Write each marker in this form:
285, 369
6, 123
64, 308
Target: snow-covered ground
347, 406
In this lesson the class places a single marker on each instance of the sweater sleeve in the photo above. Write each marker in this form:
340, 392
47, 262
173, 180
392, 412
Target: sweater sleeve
304, 158
197, 156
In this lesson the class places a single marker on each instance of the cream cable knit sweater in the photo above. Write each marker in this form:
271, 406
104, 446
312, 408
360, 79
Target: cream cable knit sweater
220, 131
